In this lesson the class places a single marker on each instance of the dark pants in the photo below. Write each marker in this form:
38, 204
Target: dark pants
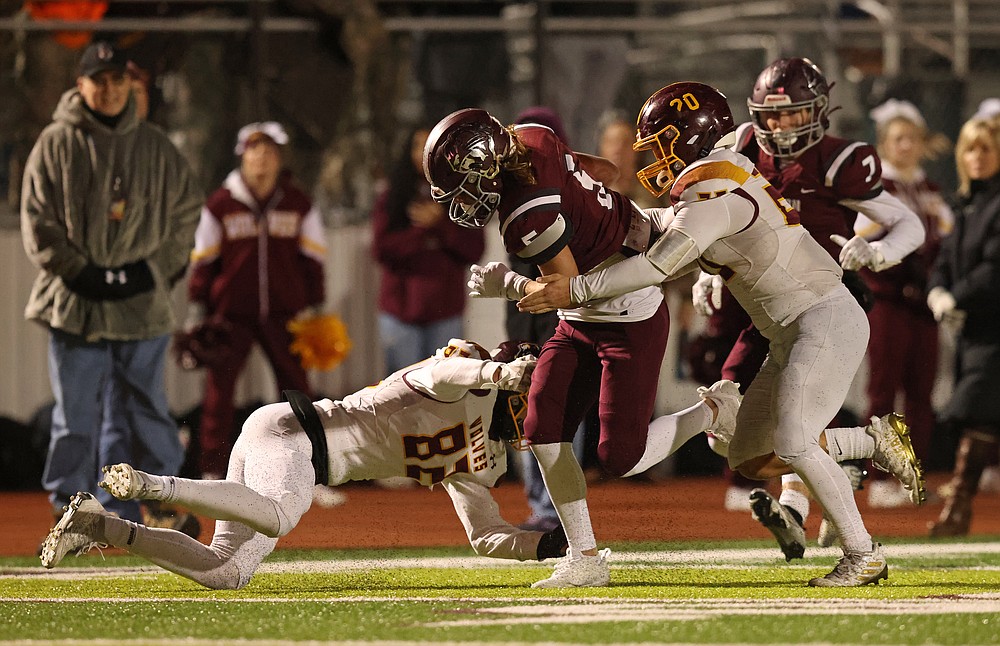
615, 364
903, 357
217, 433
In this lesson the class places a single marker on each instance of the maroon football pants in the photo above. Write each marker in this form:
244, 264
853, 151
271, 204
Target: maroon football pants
615, 364
218, 433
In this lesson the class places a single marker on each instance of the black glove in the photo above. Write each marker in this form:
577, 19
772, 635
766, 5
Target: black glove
138, 279
104, 284
552, 545
859, 289
91, 284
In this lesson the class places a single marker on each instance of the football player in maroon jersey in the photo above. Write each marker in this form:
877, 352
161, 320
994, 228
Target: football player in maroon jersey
727, 219
555, 212
829, 181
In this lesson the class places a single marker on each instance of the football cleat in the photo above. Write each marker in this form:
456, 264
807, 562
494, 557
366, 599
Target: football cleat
579, 572
855, 569
894, 454
123, 482
726, 396
780, 521
75, 530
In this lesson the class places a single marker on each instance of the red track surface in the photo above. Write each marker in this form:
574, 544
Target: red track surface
675, 509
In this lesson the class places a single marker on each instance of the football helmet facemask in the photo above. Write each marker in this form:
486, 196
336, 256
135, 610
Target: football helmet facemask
511, 407
463, 158
680, 123
790, 86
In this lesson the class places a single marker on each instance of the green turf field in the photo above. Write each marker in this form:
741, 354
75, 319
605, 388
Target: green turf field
739, 593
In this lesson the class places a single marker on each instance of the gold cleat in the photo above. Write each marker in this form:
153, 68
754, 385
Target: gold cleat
894, 454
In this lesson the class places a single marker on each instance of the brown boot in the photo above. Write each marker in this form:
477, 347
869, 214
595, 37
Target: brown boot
975, 449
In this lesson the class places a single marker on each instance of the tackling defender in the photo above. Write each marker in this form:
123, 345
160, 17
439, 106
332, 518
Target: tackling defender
730, 221
443, 420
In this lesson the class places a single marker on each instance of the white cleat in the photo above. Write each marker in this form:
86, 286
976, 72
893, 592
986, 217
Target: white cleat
579, 572
75, 530
894, 454
726, 396
123, 482
856, 569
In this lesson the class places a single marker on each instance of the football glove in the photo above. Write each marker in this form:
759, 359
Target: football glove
706, 294
858, 252
496, 280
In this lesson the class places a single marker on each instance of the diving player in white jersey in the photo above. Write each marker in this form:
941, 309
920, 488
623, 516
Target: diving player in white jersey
438, 421
730, 221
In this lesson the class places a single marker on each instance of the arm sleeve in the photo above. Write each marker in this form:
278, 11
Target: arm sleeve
904, 231
626, 276
695, 226
489, 534
449, 380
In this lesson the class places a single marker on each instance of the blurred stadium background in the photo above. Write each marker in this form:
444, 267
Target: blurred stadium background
348, 77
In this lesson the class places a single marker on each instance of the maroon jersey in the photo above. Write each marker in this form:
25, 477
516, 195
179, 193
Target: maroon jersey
816, 181
565, 207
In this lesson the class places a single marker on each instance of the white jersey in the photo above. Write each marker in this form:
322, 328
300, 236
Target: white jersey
415, 424
745, 231
430, 422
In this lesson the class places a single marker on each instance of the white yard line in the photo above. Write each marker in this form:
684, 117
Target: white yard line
710, 558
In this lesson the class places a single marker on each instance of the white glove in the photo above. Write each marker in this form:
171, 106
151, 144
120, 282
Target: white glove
706, 294
516, 375
858, 252
496, 280
942, 303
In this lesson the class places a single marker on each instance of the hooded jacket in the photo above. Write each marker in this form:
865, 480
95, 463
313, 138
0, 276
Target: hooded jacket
76, 170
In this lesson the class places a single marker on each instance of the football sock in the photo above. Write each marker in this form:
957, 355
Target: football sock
228, 500
668, 433
796, 500
832, 488
173, 551
567, 487
851, 443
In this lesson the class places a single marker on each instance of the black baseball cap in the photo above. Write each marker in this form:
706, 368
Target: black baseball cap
101, 56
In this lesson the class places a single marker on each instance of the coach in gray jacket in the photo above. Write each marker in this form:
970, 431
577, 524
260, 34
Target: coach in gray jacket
108, 214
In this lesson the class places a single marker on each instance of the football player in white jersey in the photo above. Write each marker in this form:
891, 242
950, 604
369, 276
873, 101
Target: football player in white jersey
728, 220
443, 421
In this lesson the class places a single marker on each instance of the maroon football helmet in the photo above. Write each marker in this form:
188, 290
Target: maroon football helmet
680, 123
790, 85
463, 158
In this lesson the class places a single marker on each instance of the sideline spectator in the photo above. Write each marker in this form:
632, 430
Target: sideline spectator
108, 214
257, 264
424, 259
965, 295
903, 347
